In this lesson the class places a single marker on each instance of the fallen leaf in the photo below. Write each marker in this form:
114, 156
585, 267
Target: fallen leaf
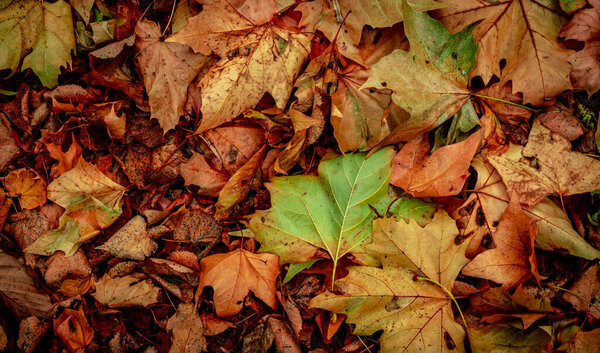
66, 160
412, 313
254, 61
29, 188
232, 275
330, 211
198, 171
31, 332
168, 69
583, 26
19, 291
283, 336
41, 33
187, 329
126, 291
559, 170
588, 288
429, 81
74, 330
536, 63
131, 242
513, 260
443, 173
304, 127
507, 113
562, 121
583, 342
60, 266
570, 6
198, 227
84, 8
8, 146
492, 338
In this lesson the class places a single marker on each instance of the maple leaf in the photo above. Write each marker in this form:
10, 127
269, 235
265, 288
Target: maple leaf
254, 60
92, 201
412, 313
167, 69
429, 81
232, 275
513, 260
188, 330
30, 189
584, 26
524, 34
490, 199
131, 242
126, 291
443, 173
559, 170
330, 211
45, 29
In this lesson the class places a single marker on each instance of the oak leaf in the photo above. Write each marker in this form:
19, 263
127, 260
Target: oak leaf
131, 242
489, 200
414, 314
559, 170
232, 275
430, 80
254, 60
513, 260
443, 173
584, 27
331, 211
167, 69
524, 34
126, 291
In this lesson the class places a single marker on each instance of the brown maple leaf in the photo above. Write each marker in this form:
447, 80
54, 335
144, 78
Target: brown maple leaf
232, 275
513, 260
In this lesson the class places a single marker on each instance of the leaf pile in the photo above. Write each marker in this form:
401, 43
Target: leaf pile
186, 176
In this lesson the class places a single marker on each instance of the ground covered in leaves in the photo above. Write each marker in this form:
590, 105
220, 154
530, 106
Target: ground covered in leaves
299, 176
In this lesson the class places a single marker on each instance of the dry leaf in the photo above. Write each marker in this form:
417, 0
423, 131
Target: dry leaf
513, 260
188, 330
232, 275
559, 170
167, 69
587, 287
28, 187
443, 173
66, 160
60, 266
125, 291
131, 242
74, 330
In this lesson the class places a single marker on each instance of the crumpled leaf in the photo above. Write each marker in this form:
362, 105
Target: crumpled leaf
66, 160
125, 291
513, 260
412, 313
74, 330
254, 61
524, 34
443, 173
489, 200
232, 275
131, 242
25, 185
559, 170
187, 329
92, 201
18, 290
305, 129
429, 81
39, 32
585, 71
330, 211
167, 69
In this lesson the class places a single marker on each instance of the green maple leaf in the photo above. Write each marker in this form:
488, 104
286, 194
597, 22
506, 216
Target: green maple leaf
45, 29
331, 211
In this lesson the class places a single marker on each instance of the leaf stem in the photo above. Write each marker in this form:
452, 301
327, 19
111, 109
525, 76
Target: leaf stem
426, 279
505, 101
573, 293
170, 17
333, 275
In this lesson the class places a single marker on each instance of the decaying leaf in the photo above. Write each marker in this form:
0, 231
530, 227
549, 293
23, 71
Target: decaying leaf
413, 313
41, 33
125, 291
232, 275
513, 260
75, 331
558, 169
331, 211
254, 61
25, 185
443, 173
167, 69
131, 242
188, 330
